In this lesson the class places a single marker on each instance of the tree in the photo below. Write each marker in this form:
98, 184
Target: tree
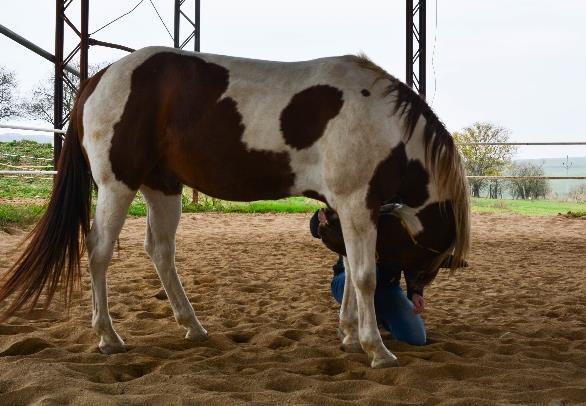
528, 188
8, 86
39, 104
484, 160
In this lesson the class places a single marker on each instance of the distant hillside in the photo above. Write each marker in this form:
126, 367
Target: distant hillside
42, 139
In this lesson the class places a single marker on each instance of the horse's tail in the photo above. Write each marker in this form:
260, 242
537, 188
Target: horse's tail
450, 180
56, 243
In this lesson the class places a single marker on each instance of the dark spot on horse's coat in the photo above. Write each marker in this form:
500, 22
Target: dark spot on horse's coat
413, 190
163, 180
365, 92
397, 177
306, 116
439, 229
386, 180
312, 194
176, 129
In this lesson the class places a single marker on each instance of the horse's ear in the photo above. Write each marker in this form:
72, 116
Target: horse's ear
388, 208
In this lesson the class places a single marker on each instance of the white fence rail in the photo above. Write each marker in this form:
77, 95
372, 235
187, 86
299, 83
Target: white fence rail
28, 128
59, 131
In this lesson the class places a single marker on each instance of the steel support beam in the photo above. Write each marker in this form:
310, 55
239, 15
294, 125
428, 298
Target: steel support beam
58, 85
194, 24
84, 41
33, 47
416, 45
177, 43
61, 80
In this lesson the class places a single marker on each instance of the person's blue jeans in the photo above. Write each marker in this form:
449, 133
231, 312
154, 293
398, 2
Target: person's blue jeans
394, 311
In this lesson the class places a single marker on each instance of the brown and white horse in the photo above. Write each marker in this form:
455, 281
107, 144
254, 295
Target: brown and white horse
338, 129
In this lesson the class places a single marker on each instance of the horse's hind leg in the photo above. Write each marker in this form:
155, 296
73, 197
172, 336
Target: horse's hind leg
111, 210
163, 216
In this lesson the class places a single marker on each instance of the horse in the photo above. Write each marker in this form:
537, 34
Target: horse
338, 129
397, 246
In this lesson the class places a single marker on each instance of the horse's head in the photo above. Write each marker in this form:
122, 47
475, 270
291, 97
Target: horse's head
395, 245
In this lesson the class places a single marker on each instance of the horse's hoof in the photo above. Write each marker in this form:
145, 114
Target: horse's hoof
110, 349
385, 362
197, 336
352, 347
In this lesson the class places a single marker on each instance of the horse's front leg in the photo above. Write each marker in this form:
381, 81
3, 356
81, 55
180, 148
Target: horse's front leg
360, 237
349, 313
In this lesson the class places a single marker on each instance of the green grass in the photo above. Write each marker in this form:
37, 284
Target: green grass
289, 205
15, 214
23, 215
526, 207
20, 187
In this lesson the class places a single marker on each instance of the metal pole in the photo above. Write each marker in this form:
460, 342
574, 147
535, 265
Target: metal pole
176, 23
422, 47
409, 43
58, 86
84, 41
33, 47
415, 34
196, 40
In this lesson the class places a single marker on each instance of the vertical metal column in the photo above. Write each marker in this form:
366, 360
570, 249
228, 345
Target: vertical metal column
416, 35
58, 85
422, 47
84, 41
176, 23
196, 40
177, 43
61, 61
409, 43
195, 24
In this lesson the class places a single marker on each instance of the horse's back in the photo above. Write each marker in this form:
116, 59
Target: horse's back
234, 128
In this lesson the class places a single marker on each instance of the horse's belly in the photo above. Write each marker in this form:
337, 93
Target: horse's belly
230, 172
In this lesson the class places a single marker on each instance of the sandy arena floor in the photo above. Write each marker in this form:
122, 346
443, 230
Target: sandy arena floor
511, 329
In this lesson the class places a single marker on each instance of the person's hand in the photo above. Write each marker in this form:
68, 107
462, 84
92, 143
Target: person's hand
418, 303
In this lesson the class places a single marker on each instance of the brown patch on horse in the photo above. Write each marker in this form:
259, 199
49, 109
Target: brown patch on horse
305, 118
382, 186
397, 176
176, 122
413, 191
164, 181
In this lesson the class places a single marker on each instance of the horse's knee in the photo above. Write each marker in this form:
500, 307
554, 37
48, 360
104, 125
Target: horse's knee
365, 282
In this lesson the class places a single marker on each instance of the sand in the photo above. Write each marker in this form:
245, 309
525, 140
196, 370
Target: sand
511, 329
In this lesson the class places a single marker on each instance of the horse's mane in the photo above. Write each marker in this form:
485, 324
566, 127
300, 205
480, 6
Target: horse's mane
441, 155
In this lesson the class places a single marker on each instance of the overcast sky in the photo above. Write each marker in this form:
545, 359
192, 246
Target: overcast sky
520, 64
